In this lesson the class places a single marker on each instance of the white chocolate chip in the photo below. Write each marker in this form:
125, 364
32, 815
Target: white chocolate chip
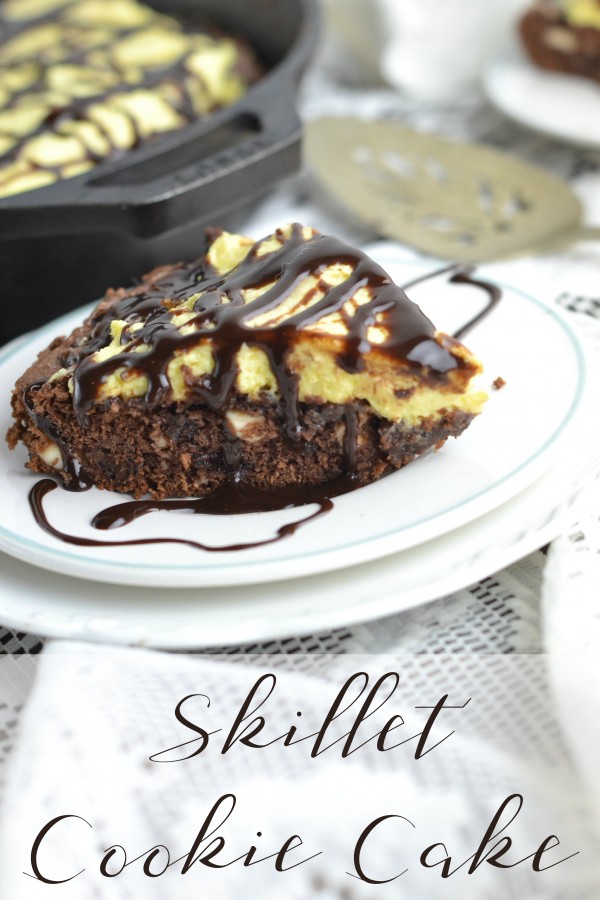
240, 423
560, 39
52, 456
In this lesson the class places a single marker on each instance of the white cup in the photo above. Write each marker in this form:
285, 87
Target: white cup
431, 50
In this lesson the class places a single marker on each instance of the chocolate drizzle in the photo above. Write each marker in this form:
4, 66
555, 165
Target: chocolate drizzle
77, 480
223, 317
225, 501
463, 274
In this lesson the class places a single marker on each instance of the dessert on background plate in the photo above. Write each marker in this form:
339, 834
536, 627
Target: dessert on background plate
564, 36
289, 362
82, 81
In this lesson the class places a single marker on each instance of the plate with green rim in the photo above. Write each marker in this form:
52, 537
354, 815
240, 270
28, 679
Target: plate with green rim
518, 437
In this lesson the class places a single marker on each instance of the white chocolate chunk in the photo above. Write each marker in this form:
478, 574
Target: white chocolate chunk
241, 425
52, 456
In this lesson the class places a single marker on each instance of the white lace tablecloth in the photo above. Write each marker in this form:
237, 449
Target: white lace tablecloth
62, 710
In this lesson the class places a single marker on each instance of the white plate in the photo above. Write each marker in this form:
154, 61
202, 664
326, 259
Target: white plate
517, 439
561, 106
43, 603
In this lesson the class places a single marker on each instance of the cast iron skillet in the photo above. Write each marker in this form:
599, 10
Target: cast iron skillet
65, 244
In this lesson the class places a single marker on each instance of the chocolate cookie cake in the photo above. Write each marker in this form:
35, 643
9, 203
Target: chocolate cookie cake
564, 36
86, 80
291, 361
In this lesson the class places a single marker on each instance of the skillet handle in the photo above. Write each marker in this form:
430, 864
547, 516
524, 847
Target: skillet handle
232, 158
217, 164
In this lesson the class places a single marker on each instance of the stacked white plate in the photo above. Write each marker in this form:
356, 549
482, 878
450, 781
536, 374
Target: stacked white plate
505, 487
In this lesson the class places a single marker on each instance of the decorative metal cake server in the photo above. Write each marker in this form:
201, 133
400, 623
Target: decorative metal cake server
453, 200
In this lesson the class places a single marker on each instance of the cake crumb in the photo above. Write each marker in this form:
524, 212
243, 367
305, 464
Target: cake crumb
498, 383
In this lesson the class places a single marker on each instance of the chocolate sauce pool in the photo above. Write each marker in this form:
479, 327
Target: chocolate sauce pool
409, 335
227, 500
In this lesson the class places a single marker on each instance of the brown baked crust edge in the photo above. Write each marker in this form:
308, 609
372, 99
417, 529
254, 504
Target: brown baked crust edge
180, 450
582, 59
